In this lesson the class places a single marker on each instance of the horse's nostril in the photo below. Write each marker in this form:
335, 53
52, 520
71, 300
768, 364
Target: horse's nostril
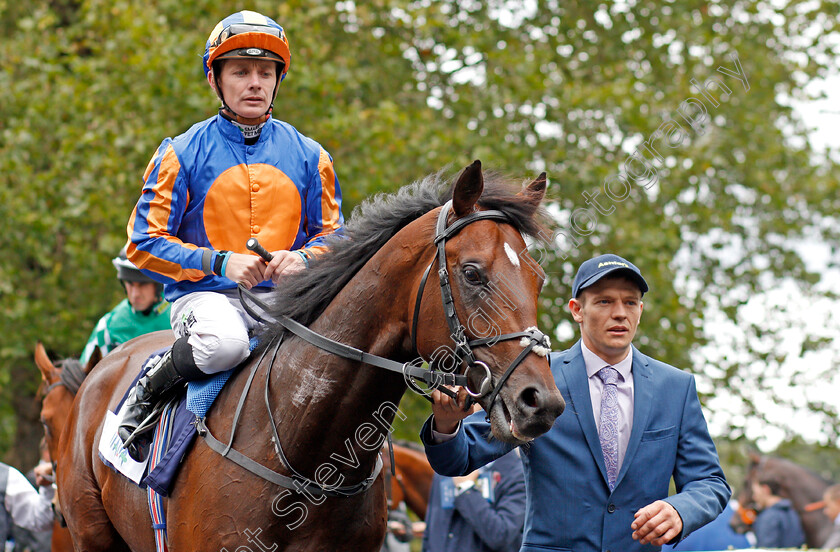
530, 397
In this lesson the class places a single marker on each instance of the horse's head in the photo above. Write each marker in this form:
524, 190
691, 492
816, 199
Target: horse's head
489, 289
58, 390
801, 486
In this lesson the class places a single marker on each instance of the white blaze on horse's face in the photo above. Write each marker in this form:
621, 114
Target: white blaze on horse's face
514, 258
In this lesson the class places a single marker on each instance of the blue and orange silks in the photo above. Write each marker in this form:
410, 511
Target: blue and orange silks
206, 191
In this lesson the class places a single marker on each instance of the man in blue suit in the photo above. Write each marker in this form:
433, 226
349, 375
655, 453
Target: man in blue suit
598, 479
482, 512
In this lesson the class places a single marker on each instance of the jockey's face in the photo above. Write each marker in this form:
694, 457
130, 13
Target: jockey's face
141, 295
247, 86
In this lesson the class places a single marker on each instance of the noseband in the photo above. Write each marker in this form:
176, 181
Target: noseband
463, 346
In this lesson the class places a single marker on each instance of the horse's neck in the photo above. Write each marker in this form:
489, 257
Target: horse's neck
335, 410
804, 487
417, 466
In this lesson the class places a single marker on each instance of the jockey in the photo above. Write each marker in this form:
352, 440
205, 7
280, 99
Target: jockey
237, 175
141, 312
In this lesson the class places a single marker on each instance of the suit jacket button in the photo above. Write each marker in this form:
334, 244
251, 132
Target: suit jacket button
611, 508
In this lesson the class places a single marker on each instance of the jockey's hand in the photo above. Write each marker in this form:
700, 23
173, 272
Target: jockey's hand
657, 523
247, 270
284, 262
447, 413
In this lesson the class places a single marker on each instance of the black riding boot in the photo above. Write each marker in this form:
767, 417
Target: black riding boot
176, 366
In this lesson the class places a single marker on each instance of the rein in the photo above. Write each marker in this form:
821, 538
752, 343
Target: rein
432, 377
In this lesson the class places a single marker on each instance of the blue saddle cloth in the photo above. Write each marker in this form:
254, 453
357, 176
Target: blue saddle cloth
192, 406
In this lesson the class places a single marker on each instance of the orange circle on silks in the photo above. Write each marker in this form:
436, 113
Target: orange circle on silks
233, 212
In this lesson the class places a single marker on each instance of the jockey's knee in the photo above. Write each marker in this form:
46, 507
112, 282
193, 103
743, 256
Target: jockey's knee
218, 353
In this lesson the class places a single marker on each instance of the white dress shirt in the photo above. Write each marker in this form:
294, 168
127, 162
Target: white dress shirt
27, 507
625, 394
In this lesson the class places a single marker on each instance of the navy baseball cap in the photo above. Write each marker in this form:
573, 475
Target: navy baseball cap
594, 269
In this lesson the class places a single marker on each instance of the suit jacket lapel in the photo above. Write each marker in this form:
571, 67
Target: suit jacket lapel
642, 400
574, 370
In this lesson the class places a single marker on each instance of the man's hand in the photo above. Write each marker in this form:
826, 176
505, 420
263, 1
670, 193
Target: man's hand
447, 413
247, 270
398, 528
469, 477
656, 523
418, 528
284, 262
44, 474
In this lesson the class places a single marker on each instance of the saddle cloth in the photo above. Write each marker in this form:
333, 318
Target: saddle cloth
180, 414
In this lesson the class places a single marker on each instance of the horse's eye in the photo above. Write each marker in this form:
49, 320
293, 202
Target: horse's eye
472, 275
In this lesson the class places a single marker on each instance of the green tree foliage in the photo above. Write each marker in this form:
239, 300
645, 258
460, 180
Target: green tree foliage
396, 90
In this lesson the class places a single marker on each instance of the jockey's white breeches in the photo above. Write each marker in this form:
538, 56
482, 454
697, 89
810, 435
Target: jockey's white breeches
217, 326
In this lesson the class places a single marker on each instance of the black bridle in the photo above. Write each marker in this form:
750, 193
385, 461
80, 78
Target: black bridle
411, 373
463, 346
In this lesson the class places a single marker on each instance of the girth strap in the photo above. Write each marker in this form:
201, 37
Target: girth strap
298, 482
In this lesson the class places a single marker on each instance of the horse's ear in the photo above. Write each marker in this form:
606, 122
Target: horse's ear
754, 456
95, 357
468, 189
535, 191
45, 365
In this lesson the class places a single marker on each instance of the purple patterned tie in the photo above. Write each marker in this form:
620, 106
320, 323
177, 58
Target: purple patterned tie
608, 426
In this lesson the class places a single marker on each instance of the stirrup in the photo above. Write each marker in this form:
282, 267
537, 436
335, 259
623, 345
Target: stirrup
147, 424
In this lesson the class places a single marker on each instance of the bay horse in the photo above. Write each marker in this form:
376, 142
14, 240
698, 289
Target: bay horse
412, 481
59, 383
366, 292
800, 485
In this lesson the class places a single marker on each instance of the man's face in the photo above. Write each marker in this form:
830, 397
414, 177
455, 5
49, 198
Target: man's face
247, 85
608, 313
141, 295
832, 508
761, 494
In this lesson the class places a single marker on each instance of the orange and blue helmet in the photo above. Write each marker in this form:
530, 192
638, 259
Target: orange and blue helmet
248, 35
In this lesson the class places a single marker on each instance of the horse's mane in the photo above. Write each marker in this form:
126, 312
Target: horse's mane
305, 295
